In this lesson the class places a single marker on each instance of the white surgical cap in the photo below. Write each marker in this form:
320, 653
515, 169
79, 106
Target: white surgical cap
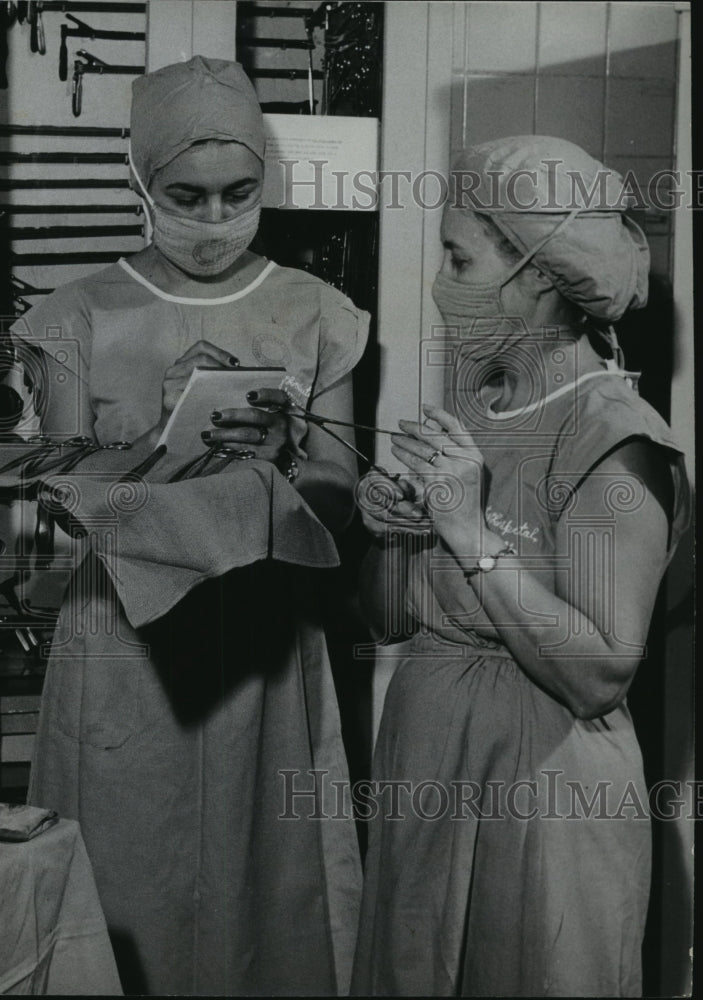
527, 185
190, 102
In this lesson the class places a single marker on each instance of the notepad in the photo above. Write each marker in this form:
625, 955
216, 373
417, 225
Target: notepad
211, 389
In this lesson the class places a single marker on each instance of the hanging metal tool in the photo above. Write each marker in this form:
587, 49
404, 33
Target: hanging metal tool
37, 39
83, 30
26, 637
87, 63
24, 288
20, 305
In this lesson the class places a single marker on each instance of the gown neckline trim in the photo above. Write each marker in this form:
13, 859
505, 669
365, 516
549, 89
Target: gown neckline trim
184, 300
509, 414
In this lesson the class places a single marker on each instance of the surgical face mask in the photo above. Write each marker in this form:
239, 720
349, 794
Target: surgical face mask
199, 248
462, 303
490, 338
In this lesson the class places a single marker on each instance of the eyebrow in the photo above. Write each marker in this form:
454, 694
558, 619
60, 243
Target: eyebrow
451, 245
196, 189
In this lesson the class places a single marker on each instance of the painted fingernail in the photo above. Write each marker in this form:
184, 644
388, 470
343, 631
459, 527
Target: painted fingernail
234, 361
215, 415
252, 396
206, 435
263, 434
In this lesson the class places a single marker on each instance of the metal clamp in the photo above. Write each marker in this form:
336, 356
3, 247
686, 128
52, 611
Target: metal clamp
83, 30
88, 63
37, 38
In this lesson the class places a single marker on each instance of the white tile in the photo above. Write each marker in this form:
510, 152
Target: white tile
498, 106
572, 109
642, 39
501, 37
572, 38
639, 118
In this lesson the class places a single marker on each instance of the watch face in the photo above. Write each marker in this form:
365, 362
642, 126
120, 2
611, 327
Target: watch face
486, 562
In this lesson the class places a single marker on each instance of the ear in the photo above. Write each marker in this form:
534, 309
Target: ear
540, 281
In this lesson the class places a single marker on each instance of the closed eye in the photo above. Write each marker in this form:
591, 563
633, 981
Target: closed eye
238, 195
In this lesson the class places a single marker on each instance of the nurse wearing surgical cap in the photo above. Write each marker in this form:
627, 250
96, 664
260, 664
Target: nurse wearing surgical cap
171, 743
509, 853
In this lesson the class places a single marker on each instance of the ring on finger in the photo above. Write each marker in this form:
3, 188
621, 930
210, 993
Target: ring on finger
232, 451
434, 456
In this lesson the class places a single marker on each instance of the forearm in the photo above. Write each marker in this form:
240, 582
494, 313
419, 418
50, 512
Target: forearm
556, 644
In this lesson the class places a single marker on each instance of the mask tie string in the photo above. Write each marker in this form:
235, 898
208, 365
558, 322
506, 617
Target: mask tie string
539, 245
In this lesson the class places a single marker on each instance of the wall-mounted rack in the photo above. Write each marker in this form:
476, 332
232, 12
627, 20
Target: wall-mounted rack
70, 232
247, 9
11, 210
61, 182
83, 30
63, 6
63, 157
79, 257
277, 43
285, 74
66, 130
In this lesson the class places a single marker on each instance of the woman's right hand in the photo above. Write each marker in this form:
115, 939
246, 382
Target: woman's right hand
384, 507
200, 355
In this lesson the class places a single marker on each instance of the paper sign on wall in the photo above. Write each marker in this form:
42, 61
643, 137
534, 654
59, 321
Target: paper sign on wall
321, 162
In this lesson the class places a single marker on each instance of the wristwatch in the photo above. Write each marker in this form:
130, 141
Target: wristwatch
488, 562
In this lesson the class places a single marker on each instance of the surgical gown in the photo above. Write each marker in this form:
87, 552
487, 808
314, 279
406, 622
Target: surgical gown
168, 741
515, 858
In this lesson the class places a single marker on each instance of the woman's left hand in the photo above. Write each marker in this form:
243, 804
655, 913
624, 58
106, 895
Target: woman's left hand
447, 475
261, 427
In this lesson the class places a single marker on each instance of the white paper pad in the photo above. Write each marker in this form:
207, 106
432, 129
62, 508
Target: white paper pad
211, 389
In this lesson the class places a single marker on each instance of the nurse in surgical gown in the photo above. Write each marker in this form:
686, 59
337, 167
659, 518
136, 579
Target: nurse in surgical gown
167, 739
515, 859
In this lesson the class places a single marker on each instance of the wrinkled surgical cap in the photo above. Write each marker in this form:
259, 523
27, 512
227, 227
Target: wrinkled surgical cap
190, 102
528, 185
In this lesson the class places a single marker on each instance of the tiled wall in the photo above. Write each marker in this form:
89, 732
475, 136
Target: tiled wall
599, 74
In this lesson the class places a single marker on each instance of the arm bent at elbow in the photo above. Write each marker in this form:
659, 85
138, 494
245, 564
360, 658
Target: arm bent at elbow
600, 607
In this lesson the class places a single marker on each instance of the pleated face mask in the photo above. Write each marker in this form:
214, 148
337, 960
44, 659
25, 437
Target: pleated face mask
199, 248
496, 348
